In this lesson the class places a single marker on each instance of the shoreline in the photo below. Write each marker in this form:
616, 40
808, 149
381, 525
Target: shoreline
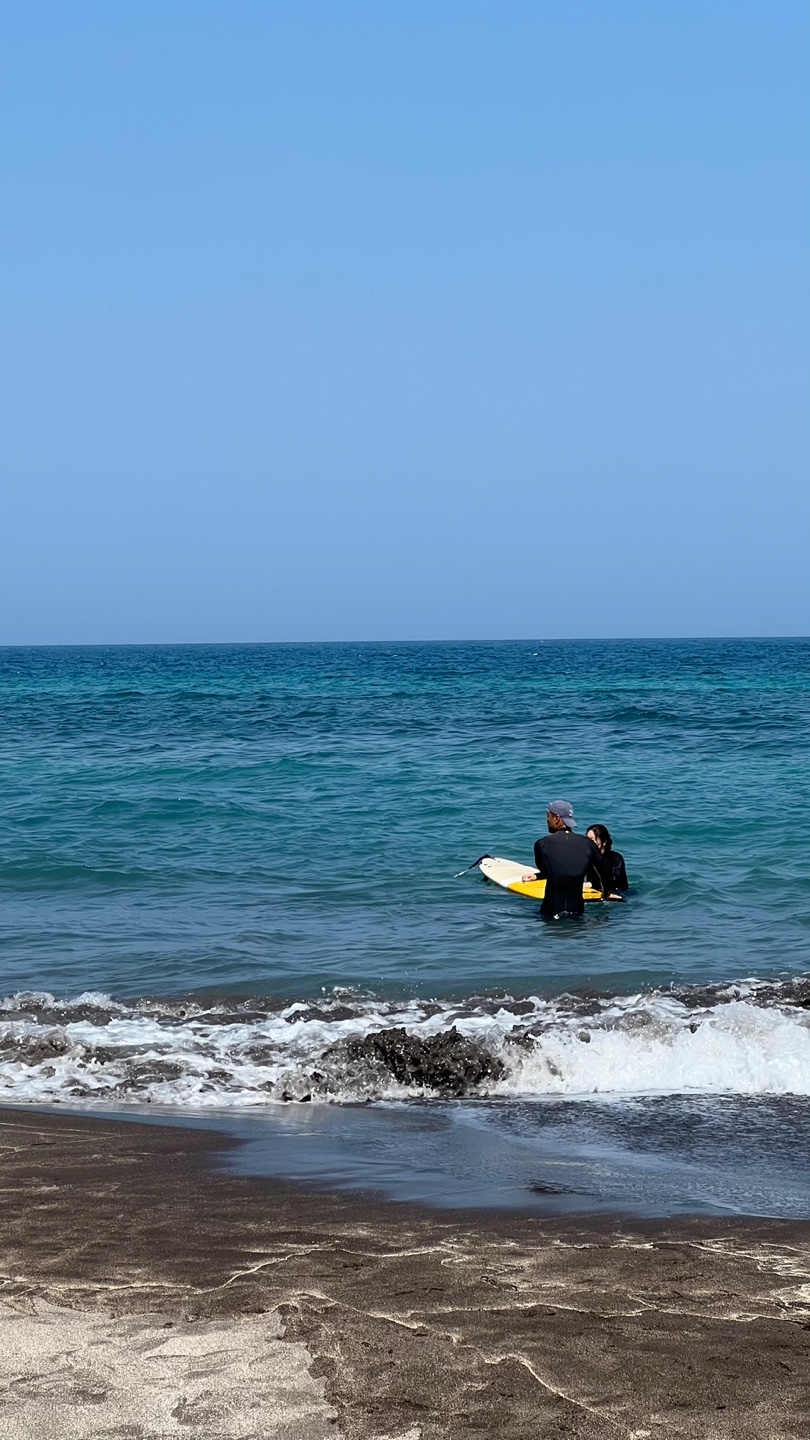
594, 1160
419, 1321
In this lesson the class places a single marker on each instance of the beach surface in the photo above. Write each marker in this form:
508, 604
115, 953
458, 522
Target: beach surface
147, 1293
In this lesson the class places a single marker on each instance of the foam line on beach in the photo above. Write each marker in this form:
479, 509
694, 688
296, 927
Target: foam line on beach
751, 1038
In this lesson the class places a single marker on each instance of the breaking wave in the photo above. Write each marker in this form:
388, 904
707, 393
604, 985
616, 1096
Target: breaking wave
750, 1038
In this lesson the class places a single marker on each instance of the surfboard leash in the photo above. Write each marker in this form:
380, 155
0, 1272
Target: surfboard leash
474, 866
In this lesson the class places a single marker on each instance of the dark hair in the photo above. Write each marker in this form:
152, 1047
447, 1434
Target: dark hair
603, 836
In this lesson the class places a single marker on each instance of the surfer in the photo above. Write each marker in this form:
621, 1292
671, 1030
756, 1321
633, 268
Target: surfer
564, 860
601, 836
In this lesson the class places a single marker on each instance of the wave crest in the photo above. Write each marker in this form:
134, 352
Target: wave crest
751, 1038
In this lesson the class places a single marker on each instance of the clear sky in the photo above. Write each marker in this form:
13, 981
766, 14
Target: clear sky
404, 319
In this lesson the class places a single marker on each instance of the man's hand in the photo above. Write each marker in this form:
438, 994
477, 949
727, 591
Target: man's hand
532, 875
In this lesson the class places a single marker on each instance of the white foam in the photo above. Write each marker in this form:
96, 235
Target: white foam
186, 1055
734, 1049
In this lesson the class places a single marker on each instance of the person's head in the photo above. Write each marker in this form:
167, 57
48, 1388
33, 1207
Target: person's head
560, 815
601, 836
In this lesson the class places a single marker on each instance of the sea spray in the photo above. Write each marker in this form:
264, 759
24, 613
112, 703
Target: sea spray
752, 1038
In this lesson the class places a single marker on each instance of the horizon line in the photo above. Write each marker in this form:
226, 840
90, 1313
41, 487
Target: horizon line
469, 640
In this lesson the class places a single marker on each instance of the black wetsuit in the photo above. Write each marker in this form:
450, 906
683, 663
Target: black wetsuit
618, 873
563, 860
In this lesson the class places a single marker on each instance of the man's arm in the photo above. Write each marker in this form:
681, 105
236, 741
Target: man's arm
540, 860
540, 864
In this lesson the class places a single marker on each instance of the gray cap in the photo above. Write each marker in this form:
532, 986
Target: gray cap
565, 810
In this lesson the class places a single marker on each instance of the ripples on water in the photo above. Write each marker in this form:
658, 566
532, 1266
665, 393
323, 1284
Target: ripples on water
285, 822
283, 818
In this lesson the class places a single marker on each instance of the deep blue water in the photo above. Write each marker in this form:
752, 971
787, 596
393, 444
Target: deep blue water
275, 819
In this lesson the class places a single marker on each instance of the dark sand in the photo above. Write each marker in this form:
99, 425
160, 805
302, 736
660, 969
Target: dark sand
430, 1323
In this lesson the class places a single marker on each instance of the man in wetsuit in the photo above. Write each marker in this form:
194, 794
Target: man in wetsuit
564, 860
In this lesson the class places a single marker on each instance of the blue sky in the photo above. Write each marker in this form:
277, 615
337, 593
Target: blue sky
419, 319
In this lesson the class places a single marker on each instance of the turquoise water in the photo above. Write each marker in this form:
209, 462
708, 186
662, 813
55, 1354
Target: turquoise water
224, 868
278, 819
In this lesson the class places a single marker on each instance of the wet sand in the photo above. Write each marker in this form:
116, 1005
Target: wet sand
146, 1294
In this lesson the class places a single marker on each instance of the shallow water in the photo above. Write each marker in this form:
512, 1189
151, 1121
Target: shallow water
283, 823
647, 1156
652, 1156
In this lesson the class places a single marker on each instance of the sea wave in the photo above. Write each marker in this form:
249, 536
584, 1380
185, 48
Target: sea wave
749, 1038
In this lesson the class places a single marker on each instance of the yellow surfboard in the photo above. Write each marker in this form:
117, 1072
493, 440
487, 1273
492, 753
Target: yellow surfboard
509, 875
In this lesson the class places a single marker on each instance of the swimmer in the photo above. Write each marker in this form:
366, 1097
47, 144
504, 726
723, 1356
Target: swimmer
564, 860
615, 862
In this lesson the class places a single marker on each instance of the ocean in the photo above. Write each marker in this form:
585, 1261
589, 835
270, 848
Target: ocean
224, 868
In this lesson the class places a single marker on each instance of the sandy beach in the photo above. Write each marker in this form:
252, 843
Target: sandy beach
145, 1293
